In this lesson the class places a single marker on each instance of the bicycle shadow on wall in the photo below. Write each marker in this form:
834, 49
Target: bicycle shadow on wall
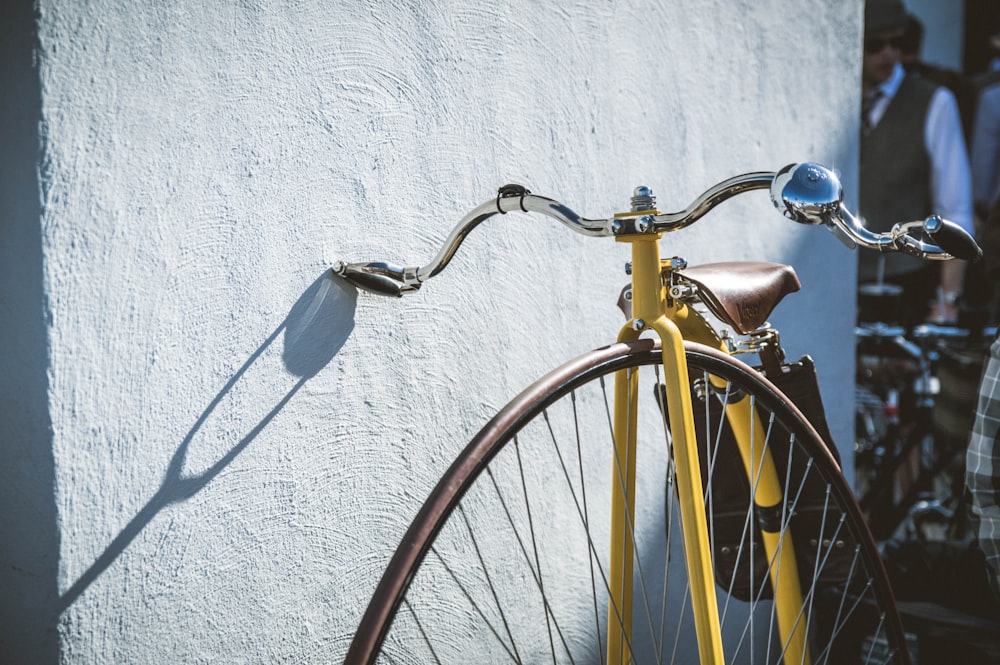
314, 331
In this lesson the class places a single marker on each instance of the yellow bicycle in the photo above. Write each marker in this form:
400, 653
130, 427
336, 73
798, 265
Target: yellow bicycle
709, 519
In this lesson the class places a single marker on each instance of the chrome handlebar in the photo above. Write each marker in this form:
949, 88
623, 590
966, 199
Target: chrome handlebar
807, 193
811, 194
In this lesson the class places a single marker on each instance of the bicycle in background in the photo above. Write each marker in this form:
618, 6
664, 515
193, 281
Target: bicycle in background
915, 402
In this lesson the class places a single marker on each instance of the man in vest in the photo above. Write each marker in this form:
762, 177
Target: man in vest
985, 149
913, 164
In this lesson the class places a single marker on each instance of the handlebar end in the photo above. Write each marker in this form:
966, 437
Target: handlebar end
952, 238
378, 278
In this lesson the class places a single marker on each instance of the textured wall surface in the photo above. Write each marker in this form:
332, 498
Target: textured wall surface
237, 441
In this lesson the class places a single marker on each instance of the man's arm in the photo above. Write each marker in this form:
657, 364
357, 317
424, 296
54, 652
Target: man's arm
986, 148
951, 187
951, 179
982, 464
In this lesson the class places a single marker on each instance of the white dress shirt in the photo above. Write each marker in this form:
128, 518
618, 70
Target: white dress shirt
951, 179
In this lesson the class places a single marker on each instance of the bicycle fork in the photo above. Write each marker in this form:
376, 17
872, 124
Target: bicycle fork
649, 307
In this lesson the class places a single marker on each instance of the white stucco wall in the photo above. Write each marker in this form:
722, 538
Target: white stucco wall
236, 441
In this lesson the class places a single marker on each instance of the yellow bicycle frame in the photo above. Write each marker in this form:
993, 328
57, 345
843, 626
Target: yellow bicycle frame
675, 322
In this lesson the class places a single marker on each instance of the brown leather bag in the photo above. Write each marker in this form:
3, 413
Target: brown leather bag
813, 524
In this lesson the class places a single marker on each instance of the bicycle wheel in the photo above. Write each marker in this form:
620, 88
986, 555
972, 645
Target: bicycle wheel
507, 561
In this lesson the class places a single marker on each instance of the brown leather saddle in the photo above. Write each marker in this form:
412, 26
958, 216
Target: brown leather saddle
741, 294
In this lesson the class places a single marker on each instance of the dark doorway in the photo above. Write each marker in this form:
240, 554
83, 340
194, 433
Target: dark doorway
982, 20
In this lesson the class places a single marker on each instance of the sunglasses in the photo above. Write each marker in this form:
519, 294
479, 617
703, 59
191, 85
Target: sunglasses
876, 44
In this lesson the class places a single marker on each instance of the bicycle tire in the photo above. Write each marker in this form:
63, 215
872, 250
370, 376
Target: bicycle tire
455, 570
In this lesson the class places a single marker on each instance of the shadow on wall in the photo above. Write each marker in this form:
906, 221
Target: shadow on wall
314, 331
29, 540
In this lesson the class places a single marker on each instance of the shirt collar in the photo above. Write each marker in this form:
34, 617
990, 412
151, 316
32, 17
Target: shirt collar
890, 86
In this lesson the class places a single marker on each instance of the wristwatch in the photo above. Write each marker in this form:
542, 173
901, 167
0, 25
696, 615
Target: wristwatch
950, 298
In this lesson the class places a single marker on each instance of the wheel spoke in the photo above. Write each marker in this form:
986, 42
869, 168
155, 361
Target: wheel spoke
515, 544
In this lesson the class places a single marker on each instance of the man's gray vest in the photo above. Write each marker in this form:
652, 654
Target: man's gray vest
896, 174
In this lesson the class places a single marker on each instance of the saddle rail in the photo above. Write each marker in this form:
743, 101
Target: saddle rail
741, 294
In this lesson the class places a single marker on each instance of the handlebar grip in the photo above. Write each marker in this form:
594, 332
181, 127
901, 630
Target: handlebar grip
952, 238
371, 280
